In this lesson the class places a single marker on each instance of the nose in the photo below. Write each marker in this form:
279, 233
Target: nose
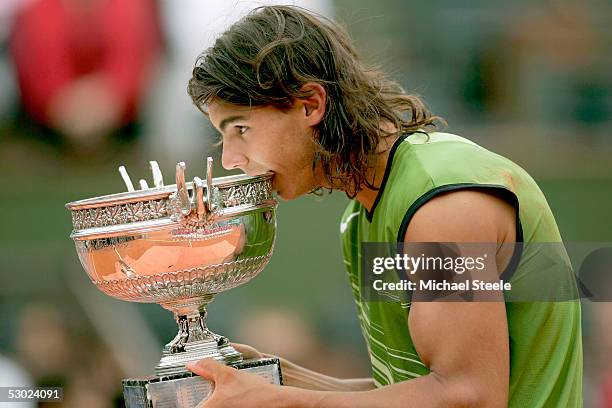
232, 158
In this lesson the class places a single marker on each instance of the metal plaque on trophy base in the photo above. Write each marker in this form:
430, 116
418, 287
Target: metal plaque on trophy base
179, 246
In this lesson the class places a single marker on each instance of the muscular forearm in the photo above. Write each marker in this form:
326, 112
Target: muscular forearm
424, 392
297, 376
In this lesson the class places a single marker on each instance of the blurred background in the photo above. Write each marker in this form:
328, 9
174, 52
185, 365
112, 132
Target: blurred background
87, 85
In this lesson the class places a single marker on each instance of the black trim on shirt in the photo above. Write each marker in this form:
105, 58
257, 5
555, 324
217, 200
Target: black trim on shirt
370, 214
504, 192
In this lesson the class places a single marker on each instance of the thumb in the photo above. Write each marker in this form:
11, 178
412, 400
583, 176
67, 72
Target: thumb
207, 368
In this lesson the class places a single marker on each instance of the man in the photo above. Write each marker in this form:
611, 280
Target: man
288, 94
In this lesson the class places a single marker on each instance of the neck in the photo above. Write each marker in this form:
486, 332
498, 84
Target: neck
367, 195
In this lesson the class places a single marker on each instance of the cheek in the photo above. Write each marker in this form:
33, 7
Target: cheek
285, 147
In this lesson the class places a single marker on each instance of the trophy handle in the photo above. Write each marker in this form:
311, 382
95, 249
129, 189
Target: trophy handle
200, 209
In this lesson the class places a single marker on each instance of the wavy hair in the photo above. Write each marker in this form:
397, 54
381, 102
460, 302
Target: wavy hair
266, 57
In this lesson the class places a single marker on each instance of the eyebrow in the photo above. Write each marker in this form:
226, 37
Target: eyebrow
229, 120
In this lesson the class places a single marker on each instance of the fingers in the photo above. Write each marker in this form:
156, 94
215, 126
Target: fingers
248, 352
207, 368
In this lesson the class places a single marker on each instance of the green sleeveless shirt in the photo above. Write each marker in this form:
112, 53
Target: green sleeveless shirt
544, 337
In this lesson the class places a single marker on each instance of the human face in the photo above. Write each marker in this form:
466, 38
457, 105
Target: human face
261, 139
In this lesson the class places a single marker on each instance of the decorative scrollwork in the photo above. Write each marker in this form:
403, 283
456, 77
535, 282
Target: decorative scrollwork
192, 282
120, 214
246, 194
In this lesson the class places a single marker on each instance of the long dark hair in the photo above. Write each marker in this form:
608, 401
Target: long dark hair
266, 57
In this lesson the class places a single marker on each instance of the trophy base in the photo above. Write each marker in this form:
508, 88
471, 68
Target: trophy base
186, 390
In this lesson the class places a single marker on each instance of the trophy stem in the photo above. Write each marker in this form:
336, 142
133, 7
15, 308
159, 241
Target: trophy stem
193, 341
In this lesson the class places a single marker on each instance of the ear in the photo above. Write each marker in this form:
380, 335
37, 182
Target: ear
313, 105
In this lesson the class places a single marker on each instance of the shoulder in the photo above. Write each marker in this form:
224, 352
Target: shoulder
467, 215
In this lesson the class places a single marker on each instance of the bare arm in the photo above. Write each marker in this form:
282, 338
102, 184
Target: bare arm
295, 375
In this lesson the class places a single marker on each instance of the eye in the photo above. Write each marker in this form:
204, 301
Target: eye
241, 129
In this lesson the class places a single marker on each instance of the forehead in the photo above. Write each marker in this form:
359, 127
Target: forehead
219, 110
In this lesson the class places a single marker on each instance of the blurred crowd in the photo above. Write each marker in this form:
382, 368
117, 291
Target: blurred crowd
85, 74
84, 79
81, 67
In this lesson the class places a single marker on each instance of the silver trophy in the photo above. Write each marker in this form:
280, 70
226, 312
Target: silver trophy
179, 246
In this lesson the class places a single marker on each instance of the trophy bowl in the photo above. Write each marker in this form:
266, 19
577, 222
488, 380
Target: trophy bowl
178, 246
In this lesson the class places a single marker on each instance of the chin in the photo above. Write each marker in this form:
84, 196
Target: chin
286, 196
290, 193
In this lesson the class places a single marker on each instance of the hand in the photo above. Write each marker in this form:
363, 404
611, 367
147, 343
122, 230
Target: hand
234, 388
